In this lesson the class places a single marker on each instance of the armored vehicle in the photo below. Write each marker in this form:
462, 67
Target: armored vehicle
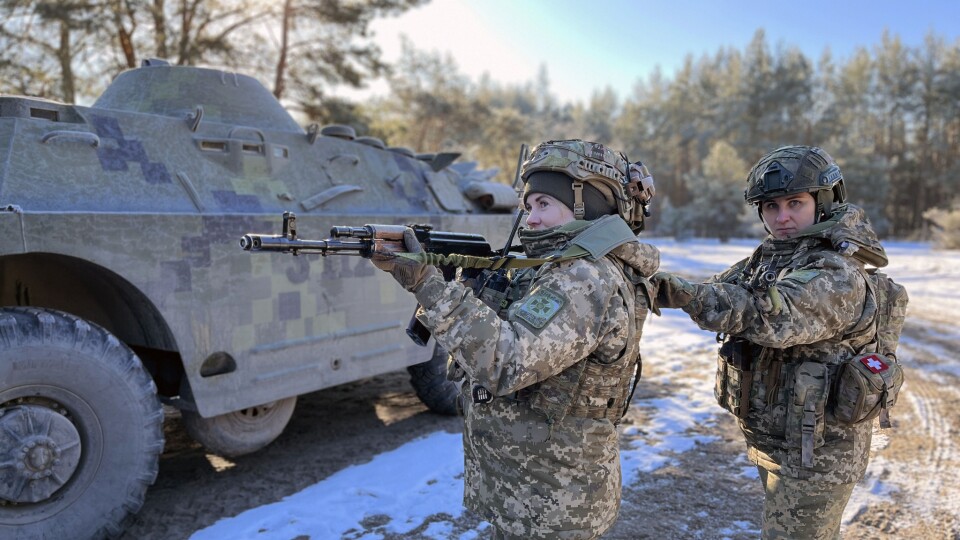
123, 288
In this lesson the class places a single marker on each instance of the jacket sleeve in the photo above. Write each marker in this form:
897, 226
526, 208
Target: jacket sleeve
569, 310
816, 301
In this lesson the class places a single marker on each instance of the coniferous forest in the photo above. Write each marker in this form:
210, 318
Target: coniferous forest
889, 113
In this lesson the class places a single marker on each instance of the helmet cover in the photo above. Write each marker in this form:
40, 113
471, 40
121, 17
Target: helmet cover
590, 163
796, 169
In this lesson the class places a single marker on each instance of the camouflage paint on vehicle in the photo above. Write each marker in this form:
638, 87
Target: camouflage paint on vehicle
152, 213
126, 214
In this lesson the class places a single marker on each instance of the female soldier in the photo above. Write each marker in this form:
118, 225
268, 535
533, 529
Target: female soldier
791, 315
546, 379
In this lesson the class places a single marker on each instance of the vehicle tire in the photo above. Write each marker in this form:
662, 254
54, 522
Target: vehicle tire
240, 432
81, 428
429, 379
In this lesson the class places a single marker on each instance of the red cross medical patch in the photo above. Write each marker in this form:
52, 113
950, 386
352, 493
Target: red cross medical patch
874, 363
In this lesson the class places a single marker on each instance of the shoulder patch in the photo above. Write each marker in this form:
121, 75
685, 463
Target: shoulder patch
541, 306
802, 276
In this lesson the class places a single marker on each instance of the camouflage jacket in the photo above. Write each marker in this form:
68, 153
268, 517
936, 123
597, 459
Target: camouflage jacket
529, 476
814, 306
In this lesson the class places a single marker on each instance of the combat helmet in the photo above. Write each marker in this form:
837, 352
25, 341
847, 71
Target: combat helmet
592, 165
797, 169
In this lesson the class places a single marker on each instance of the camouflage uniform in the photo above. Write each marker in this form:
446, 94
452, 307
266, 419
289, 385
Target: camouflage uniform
815, 314
542, 458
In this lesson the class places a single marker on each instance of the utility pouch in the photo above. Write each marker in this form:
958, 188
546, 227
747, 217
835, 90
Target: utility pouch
735, 376
805, 420
493, 298
493, 289
867, 386
553, 396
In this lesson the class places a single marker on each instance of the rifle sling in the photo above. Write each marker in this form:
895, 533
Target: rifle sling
491, 263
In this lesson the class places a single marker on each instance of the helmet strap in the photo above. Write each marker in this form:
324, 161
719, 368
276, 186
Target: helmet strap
578, 209
824, 204
760, 214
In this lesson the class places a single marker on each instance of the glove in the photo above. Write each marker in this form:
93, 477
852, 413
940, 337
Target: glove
409, 274
672, 290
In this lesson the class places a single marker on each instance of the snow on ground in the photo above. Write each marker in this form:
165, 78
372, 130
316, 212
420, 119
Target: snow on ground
423, 478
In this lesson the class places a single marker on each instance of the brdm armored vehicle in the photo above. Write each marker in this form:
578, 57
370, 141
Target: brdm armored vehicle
123, 288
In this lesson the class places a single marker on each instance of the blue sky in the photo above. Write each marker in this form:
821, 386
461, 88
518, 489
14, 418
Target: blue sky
586, 45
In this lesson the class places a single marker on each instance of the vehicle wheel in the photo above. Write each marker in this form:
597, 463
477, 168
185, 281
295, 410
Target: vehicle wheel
240, 432
81, 428
429, 379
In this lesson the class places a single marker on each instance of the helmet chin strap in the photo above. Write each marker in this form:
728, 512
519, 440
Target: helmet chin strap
824, 200
579, 211
762, 221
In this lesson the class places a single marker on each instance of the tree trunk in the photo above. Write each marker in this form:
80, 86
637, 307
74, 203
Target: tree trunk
187, 10
65, 58
159, 29
279, 82
124, 36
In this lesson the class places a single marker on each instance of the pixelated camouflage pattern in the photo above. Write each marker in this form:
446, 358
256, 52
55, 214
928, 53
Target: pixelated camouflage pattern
530, 477
538, 244
849, 231
894, 296
821, 312
865, 386
801, 509
805, 421
567, 156
593, 163
127, 213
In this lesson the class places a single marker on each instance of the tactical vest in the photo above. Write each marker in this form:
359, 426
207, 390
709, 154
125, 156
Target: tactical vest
591, 388
802, 388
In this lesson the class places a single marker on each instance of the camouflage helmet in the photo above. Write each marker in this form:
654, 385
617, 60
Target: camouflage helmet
593, 164
797, 169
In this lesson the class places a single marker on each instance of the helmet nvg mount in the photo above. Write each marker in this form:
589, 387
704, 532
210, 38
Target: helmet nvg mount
607, 170
797, 169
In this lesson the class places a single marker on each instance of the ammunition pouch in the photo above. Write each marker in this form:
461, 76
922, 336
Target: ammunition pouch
494, 298
867, 386
735, 365
806, 421
587, 389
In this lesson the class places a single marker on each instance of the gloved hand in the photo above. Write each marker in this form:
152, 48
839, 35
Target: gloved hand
409, 274
672, 290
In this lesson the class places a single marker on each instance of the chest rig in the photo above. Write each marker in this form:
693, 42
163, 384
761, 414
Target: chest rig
739, 359
786, 393
594, 387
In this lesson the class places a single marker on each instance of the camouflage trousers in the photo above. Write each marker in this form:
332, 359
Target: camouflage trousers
802, 509
498, 534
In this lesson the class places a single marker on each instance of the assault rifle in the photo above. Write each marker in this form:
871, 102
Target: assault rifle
364, 241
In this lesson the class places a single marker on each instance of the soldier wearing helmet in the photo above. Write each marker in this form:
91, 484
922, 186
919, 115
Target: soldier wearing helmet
547, 373
789, 316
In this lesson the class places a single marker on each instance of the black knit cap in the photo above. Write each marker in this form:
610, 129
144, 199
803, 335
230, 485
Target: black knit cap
560, 187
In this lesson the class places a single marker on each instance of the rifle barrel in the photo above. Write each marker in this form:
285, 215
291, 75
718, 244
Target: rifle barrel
282, 244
